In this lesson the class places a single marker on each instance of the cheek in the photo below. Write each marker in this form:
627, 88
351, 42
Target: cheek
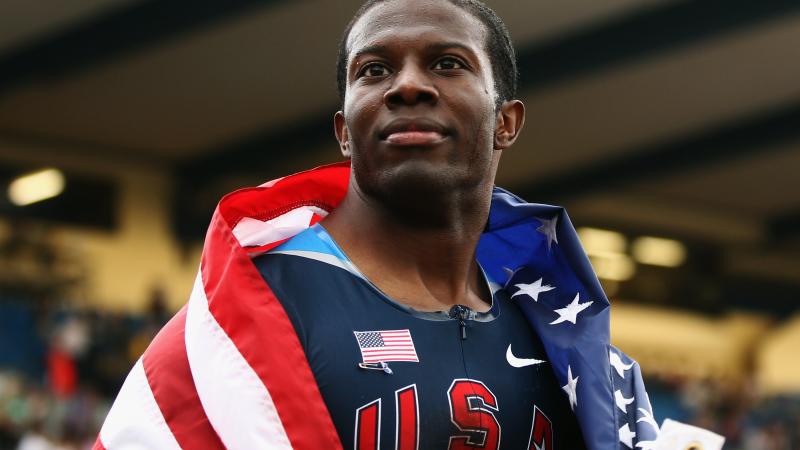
359, 114
470, 100
478, 121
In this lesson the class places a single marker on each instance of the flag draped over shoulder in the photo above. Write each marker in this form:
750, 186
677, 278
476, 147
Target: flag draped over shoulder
535, 249
228, 371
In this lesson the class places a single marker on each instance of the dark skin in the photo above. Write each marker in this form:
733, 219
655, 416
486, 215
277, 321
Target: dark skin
424, 136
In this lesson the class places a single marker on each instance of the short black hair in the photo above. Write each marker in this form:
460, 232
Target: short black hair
498, 46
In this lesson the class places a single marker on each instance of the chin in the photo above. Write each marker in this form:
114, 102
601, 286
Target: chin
422, 192
418, 182
423, 177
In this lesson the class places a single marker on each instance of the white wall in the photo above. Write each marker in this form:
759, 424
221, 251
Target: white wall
673, 342
778, 361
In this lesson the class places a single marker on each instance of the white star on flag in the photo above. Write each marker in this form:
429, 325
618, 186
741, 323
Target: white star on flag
626, 435
571, 388
616, 363
570, 312
536, 446
647, 417
532, 290
548, 228
646, 445
622, 402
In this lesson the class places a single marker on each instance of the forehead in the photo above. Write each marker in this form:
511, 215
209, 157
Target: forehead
406, 22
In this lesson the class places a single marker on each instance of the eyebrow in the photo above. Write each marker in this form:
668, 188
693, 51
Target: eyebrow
382, 49
372, 49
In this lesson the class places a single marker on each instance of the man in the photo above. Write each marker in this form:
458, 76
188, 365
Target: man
398, 300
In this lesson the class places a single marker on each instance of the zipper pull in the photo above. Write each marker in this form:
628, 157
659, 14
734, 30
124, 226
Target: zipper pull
462, 313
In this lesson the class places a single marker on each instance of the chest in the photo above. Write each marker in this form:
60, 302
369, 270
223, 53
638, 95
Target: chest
394, 379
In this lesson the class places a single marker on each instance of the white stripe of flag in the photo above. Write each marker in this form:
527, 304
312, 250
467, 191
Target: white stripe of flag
386, 346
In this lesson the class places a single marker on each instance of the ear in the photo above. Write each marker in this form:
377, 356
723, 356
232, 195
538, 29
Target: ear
342, 134
510, 120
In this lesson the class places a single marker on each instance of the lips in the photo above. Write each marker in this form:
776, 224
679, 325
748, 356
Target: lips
414, 138
411, 132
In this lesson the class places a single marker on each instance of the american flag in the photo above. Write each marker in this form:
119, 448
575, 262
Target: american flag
180, 393
534, 252
386, 346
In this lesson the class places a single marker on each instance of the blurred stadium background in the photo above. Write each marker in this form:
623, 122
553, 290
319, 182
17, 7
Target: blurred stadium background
670, 129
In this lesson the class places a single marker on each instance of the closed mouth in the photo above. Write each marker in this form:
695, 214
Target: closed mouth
414, 138
413, 129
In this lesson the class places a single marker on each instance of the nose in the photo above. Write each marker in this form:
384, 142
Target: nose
412, 85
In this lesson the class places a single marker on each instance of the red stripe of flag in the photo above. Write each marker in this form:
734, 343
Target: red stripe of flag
242, 303
167, 369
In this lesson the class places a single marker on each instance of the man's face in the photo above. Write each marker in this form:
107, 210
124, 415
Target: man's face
419, 111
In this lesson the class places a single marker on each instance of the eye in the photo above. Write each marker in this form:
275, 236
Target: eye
448, 63
374, 70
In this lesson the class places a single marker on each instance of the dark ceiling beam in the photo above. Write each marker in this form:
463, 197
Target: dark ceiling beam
258, 152
784, 227
112, 35
645, 33
761, 134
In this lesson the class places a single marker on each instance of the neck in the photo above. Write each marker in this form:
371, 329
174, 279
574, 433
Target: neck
421, 255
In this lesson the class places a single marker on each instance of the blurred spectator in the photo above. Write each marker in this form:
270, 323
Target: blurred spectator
60, 403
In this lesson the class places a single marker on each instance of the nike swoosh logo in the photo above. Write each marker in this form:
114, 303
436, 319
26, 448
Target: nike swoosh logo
520, 362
